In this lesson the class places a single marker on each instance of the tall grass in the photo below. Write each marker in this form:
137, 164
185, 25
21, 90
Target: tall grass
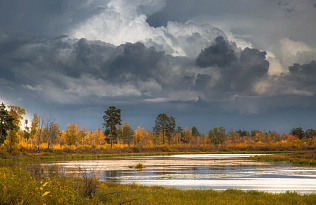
34, 184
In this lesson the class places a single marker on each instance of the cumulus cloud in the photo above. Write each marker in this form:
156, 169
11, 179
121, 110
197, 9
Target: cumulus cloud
122, 22
291, 49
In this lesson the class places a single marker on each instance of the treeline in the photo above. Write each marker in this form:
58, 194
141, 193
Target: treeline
43, 135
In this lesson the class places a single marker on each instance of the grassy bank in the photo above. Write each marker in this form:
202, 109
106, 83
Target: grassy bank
48, 156
31, 185
300, 158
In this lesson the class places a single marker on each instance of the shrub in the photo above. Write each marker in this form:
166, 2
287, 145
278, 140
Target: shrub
4, 154
89, 186
136, 149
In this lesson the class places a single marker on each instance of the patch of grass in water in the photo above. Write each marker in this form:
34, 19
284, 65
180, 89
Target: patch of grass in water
139, 166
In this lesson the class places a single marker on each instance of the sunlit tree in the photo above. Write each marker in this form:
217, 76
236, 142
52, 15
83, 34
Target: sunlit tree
98, 137
139, 135
72, 133
187, 135
125, 133
14, 138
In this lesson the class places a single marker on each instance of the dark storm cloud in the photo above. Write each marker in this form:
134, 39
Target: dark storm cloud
70, 71
76, 57
303, 75
238, 71
135, 61
307, 70
219, 54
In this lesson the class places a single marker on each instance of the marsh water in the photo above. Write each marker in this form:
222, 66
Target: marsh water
200, 171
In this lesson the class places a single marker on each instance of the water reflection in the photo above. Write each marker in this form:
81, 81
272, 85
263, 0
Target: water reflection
203, 172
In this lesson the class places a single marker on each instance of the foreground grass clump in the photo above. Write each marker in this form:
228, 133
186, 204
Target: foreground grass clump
39, 185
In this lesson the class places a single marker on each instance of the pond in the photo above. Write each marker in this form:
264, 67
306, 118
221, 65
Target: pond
200, 171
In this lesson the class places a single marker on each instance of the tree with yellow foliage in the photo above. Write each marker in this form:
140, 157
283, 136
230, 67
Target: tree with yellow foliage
98, 137
13, 139
72, 133
125, 133
187, 135
139, 135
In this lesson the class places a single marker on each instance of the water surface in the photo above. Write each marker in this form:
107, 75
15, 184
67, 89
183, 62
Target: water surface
201, 171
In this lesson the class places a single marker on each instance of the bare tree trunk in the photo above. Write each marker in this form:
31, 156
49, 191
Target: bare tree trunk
111, 139
39, 139
49, 142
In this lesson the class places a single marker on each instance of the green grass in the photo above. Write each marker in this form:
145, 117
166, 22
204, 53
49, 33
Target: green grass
30, 184
57, 156
300, 158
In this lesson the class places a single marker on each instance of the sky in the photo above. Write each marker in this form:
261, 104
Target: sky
245, 64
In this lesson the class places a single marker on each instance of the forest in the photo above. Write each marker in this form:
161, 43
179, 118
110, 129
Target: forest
42, 135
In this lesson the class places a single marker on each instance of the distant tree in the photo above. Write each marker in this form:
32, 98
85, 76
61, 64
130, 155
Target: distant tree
253, 133
264, 138
298, 132
112, 118
139, 135
217, 135
97, 137
26, 132
171, 129
310, 133
6, 123
195, 132
41, 132
73, 133
51, 130
125, 133
180, 133
187, 135
242, 133
34, 127
232, 136
276, 136
166, 125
